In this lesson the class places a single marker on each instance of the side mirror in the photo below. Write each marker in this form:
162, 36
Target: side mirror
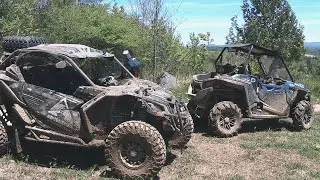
61, 64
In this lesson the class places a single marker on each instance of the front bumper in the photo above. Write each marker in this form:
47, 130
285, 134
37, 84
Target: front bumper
177, 118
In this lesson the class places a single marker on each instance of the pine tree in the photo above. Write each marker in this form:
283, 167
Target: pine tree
271, 24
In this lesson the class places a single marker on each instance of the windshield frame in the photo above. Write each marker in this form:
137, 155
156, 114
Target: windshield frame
115, 60
274, 59
99, 67
250, 57
56, 56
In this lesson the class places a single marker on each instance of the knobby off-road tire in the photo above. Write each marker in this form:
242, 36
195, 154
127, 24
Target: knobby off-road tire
135, 150
4, 144
12, 43
192, 110
2, 58
302, 116
187, 130
225, 119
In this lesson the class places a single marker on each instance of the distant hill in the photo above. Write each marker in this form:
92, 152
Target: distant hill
312, 45
313, 48
214, 47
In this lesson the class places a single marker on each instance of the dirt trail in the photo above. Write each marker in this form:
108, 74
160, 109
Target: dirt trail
316, 108
205, 158
225, 159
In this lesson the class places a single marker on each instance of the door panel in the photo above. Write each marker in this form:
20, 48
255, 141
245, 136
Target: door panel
56, 110
275, 96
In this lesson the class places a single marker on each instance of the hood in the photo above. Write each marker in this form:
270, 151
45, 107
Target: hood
295, 85
141, 88
154, 91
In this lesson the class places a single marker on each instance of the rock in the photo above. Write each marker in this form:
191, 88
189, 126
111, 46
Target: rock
167, 81
316, 109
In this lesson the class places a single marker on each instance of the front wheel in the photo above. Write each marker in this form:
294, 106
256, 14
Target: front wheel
302, 115
186, 134
225, 119
135, 150
3, 140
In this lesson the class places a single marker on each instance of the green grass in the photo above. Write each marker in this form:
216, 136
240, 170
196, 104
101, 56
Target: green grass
307, 143
66, 173
187, 165
182, 89
236, 177
295, 166
315, 175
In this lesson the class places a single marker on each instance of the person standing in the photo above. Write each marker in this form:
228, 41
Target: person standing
133, 64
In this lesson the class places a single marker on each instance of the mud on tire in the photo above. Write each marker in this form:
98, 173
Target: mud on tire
187, 130
12, 43
3, 140
225, 119
135, 150
302, 116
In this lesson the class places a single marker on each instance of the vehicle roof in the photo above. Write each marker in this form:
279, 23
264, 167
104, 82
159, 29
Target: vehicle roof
71, 50
256, 50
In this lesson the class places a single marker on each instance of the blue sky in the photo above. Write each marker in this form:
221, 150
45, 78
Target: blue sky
214, 16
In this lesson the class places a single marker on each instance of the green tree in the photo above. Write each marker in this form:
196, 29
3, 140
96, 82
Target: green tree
147, 30
156, 30
198, 52
272, 24
235, 32
19, 18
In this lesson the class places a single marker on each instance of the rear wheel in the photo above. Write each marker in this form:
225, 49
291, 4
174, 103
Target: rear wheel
135, 150
225, 119
302, 115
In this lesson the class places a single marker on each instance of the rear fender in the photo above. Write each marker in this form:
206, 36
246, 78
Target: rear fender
238, 91
300, 95
104, 112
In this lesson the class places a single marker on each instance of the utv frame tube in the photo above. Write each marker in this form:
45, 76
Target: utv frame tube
69, 60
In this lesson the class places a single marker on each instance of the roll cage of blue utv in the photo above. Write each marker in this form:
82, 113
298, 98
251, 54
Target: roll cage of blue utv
253, 50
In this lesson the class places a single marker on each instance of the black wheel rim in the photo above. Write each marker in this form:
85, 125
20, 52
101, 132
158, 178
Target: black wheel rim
228, 120
132, 153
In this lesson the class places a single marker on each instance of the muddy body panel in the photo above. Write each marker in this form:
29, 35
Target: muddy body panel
225, 88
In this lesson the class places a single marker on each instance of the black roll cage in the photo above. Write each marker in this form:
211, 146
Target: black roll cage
12, 59
255, 50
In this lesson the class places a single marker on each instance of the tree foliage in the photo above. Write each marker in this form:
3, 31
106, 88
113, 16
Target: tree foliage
272, 24
148, 31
